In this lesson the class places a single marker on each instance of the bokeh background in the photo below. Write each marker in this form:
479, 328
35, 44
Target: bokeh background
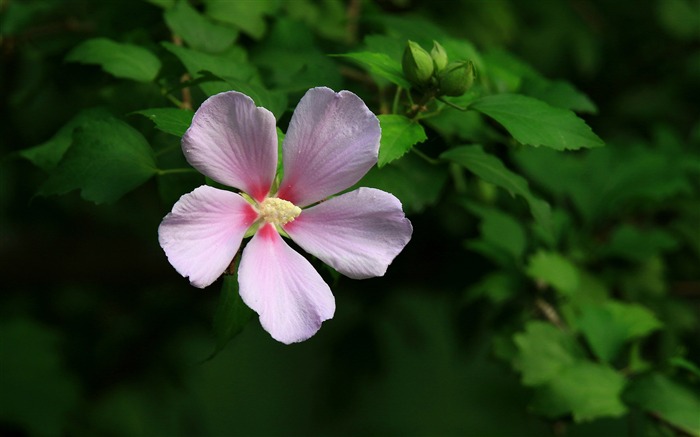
100, 336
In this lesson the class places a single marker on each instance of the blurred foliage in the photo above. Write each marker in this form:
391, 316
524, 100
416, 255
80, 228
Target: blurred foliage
554, 274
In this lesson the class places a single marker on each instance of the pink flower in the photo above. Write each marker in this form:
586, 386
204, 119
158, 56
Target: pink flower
332, 141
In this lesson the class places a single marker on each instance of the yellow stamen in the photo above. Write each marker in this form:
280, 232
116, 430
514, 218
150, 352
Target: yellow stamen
278, 211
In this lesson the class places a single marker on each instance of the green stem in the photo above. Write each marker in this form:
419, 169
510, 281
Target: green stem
397, 98
452, 105
175, 171
426, 157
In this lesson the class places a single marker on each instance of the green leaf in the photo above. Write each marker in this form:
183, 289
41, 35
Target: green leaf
544, 351
169, 120
249, 16
231, 315
399, 135
500, 231
39, 396
555, 270
638, 244
416, 183
608, 326
107, 159
533, 122
380, 65
275, 102
586, 390
198, 31
233, 63
664, 398
47, 155
492, 170
126, 61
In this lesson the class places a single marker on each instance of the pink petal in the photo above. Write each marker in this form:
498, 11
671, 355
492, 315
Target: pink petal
357, 233
283, 288
204, 231
332, 141
233, 142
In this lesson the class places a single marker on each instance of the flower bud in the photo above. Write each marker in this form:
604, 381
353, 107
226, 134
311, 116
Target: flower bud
439, 56
456, 79
417, 65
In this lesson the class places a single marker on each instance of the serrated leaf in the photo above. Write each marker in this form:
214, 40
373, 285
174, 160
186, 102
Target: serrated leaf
544, 351
608, 326
535, 123
198, 31
107, 159
231, 315
380, 65
399, 135
169, 120
491, 169
47, 155
586, 390
663, 397
555, 270
126, 61
249, 16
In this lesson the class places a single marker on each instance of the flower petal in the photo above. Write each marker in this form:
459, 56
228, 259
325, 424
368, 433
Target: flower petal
332, 141
233, 142
204, 231
283, 288
357, 233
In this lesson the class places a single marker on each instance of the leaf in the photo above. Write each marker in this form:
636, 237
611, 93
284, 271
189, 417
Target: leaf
231, 315
608, 326
275, 102
662, 397
555, 270
399, 135
416, 183
491, 169
500, 231
381, 65
107, 159
557, 93
232, 63
169, 120
586, 390
544, 351
638, 244
198, 31
533, 122
126, 61
47, 155
249, 16
38, 393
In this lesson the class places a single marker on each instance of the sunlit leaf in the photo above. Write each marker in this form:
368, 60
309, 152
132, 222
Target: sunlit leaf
399, 135
535, 123
107, 159
586, 390
169, 120
544, 351
553, 269
126, 61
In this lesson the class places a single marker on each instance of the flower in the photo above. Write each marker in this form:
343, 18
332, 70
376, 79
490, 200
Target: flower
332, 141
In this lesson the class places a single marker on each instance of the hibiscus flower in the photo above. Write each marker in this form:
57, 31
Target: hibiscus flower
331, 143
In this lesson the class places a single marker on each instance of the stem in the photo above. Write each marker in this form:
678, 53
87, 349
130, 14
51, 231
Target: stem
175, 171
397, 98
452, 105
425, 157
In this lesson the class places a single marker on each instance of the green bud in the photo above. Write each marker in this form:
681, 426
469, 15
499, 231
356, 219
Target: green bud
456, 79
439, 56
417, 65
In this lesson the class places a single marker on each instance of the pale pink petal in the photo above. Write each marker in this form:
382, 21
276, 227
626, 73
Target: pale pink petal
332, 141
233, 142
204, 231
283, 288
357, 233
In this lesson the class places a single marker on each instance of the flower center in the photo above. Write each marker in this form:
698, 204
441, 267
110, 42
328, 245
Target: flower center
278, 211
